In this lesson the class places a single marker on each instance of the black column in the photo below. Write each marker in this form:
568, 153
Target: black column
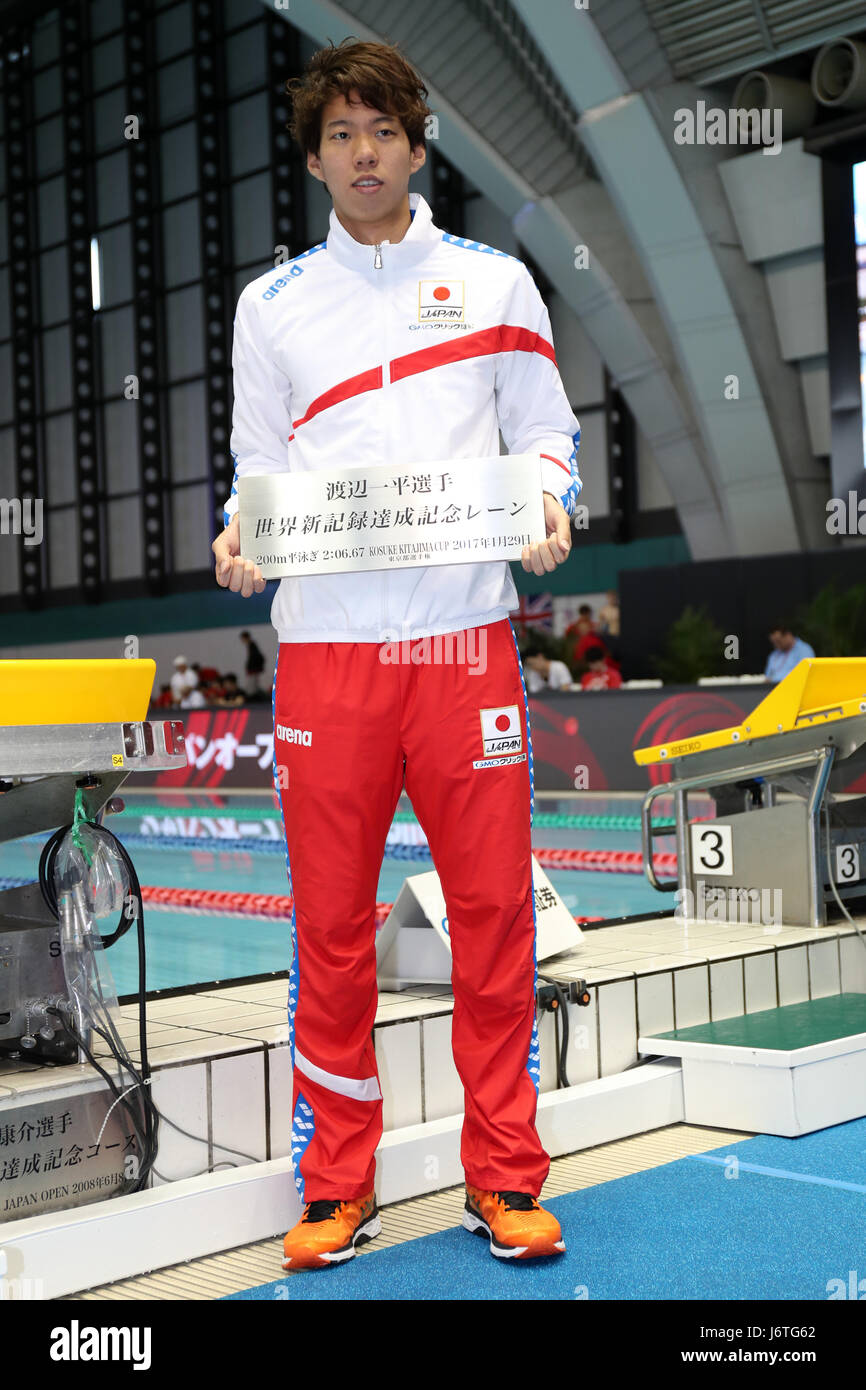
288, 165
843, 347
151, 366
217, 259
85, 373
621, 462
23, 289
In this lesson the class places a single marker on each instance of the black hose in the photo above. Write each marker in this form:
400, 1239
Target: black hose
149, 1138
563, 1050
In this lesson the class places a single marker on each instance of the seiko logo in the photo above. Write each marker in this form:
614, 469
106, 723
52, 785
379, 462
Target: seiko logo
303, 736
273, 290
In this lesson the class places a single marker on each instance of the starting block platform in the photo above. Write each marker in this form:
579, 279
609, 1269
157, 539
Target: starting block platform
785, 1071
779, 830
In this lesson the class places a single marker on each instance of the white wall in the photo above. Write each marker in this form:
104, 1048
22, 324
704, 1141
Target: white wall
777, 205
216, 646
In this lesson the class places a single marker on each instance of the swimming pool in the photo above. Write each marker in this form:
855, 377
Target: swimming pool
189, 948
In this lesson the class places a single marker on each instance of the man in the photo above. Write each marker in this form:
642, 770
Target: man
255, 664
183, 681
789, 652
544, 674
229, 693
609, 616
585, 631
600, 675
327, 359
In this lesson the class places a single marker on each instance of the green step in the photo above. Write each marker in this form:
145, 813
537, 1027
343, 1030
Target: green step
783, 1029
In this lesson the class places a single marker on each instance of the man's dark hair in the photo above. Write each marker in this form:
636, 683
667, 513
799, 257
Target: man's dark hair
380, 75
534, 650
585, 608
780, 627
594, 654
245, 634
230, 676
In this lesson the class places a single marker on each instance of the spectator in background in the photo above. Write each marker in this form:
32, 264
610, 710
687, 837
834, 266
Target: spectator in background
584, 645
193, 699
789, 652
165, 699
184, 679
583, 624
608, 617
231, 692
205, 674
585, 630
600, 675
255, 664
208, 683
608, 624
544, 674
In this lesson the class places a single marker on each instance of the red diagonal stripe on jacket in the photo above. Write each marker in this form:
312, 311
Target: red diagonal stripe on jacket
501, 338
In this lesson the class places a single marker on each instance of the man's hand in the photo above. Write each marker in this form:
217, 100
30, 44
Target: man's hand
232, 571
546, 555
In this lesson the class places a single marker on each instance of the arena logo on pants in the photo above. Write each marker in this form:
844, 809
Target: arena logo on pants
303, 736
500, 730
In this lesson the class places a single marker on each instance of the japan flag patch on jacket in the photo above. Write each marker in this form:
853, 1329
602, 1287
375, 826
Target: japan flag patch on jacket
501, 731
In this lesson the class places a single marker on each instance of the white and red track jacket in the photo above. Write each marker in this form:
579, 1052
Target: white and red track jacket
340, 360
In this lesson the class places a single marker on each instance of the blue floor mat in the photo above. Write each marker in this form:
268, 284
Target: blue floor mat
790, 1223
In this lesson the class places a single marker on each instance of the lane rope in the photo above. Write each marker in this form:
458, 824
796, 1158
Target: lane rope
550, 820
580, 860
224, 903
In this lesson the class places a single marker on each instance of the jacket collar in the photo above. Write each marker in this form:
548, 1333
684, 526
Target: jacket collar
418, 242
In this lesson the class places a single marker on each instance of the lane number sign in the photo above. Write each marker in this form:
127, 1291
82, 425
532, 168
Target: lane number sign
847, 863
712, 849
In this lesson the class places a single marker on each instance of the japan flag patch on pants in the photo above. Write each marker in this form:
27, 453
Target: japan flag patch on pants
501, 731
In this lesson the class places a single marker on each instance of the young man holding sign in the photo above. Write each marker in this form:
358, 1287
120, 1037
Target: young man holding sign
395, 343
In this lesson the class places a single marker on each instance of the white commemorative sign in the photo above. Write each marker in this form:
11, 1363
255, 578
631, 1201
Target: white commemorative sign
434, 513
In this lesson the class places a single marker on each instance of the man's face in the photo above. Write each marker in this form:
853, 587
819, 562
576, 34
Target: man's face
782, 641
364, 160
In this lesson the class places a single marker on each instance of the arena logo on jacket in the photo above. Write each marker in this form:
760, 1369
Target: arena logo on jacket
501, 737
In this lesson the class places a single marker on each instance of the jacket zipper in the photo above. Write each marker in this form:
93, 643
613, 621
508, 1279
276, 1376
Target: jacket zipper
386, 382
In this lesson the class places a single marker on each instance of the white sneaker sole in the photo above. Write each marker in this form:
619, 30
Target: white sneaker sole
478, 1226
366, 1231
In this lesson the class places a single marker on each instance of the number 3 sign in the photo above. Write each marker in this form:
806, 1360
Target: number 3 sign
712, 849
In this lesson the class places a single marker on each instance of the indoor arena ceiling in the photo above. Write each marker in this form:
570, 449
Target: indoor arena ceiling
710, 39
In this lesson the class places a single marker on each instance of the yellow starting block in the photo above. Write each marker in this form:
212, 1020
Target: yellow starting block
66, 727
74, 692
806, 739
818, 691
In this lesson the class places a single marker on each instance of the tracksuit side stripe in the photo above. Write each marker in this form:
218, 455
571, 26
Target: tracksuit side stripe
303, 1120
533, 1059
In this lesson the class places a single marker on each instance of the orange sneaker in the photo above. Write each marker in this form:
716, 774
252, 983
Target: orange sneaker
328, 1232
519, 1229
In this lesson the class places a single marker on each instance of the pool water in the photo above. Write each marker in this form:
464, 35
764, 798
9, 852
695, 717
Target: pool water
188, 949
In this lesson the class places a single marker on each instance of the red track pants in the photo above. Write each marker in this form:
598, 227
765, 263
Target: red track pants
351, 727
